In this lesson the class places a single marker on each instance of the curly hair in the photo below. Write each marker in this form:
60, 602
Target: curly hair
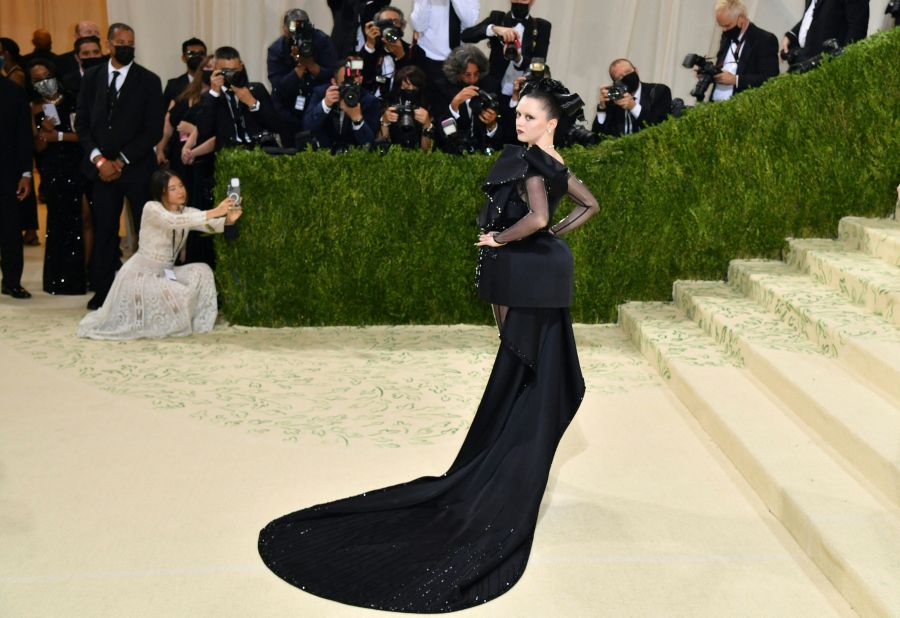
460, 58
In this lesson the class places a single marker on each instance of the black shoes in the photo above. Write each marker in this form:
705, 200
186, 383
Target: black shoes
16, 291
96, 301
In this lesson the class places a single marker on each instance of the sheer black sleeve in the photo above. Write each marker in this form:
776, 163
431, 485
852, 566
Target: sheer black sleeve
585, 207
538, 213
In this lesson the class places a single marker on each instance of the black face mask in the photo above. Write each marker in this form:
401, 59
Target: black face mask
732, 34
124, 54
194, 61
414, 97
632, 81
206, 76
519, 11
87, 63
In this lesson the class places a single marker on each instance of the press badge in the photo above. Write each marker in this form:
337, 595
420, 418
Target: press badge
170, 274
300, 103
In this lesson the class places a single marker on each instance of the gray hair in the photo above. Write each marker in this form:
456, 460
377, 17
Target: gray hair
378, 16
459, 60
293, 15
735, 8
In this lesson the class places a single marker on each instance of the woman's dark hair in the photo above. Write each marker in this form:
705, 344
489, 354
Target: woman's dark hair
41, 62
159, 182
13, 48
193, 91
416, 77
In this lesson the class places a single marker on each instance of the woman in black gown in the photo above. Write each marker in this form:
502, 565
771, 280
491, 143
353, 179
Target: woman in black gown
439, 544
61, 181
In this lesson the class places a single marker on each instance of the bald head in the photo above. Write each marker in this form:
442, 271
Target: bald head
86, 28
42, 39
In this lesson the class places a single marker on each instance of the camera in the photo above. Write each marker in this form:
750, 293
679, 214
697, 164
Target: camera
616, 91
706, 72
830, 49
406, 106
510, 52
302, 36
389, 32
579, 135
484, 100
235, 77
350, 91
893, 9
537, 70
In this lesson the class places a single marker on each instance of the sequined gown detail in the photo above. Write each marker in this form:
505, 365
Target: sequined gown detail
145, 300
441, 544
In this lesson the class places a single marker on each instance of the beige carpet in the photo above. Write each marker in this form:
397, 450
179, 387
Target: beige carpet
135, 476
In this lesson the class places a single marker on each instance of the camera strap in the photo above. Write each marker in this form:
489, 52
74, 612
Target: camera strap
240, 125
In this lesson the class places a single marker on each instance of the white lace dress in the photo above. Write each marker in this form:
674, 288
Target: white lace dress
152, 298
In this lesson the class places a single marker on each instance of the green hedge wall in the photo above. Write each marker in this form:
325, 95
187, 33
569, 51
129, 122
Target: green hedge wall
368, 239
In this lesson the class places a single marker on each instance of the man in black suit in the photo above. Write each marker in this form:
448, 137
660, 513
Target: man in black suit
383, 55
642, 104
518, 35
68, 62
334, 121
193, 53
439, 25
461, 97
844, 20
748, 55
87, 55
240, 109
294, 73
349, 18
15, 181
118, 121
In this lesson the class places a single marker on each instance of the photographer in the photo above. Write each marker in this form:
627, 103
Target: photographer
628, 105
515, 38
385, 51
407, 121
844, 20
300, 60
468, 103
242, 112
748, 55
343, 114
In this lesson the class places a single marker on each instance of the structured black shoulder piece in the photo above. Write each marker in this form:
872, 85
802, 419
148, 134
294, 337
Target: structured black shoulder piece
542, 163
510, 166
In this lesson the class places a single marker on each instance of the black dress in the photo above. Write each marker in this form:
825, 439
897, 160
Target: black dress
440, 544
63, 187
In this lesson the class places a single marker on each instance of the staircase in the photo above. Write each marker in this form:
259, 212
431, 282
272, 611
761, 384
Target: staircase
793, 368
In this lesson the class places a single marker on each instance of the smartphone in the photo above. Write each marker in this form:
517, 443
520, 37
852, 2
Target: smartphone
234, 191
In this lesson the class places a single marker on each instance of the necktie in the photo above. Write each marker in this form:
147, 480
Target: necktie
112, 94
239, 129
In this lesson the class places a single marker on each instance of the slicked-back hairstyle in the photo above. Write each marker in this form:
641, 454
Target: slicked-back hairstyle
117, 26
292, 15
378, 15
547, 101
83, 41
227, 53
735, 8
460, 58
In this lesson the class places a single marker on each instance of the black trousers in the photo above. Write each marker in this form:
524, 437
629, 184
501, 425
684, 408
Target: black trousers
11, 257
106, 210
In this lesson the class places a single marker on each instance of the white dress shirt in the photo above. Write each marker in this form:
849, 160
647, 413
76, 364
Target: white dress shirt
431, 19
806, 23
120, 80
723, 92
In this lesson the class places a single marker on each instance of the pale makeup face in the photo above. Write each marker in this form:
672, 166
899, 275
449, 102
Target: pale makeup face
175, 195
532, 121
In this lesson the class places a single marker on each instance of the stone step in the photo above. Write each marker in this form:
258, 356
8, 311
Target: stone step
862, 341
877, 237
858, 423
851, 534
864, 279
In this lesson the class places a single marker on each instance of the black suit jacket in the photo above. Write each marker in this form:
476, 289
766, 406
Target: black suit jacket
844, 20
324, 126
535, 40
15, 135
656, 104
264, 119
132, 129
66, 63
348, 16
758, 59
174, 87
468, 129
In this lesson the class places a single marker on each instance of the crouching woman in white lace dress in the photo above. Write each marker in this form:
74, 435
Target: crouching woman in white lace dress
151, 297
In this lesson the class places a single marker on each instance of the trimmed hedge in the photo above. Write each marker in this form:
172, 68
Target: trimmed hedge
362, 238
